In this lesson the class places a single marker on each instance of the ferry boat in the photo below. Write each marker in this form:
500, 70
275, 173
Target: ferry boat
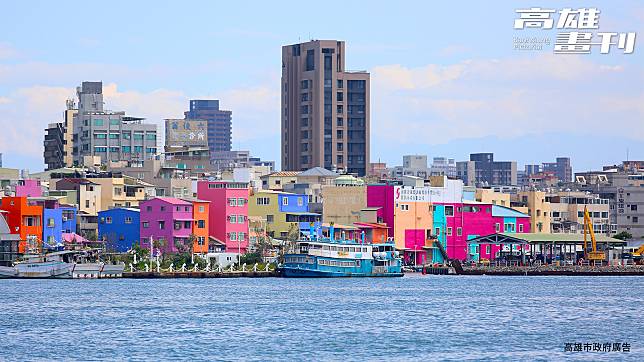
323, 258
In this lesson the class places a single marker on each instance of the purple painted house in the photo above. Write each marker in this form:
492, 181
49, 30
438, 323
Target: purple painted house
167, 220
28, 188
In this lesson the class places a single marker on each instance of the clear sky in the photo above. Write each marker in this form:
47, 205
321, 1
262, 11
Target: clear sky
446, 80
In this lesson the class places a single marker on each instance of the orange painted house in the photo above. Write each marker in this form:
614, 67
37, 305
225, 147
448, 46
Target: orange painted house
25, 220
200, 212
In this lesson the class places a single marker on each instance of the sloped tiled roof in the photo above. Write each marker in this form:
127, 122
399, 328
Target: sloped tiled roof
318, 171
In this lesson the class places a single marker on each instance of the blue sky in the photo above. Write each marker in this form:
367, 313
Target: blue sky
445, 79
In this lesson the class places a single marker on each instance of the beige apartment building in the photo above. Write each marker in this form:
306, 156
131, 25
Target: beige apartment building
568, 212
343, 204
534, 204
325, 109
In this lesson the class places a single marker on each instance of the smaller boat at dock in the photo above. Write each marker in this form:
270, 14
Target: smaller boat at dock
60, 264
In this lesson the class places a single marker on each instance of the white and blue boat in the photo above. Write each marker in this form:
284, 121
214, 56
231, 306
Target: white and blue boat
327, 257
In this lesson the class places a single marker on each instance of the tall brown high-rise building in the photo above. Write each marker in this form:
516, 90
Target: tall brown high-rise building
325, 109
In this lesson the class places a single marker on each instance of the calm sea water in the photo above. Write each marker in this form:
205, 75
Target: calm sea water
415, 317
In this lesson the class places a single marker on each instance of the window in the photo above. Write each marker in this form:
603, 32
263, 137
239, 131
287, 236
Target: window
126, 149
339, 134
201, 224
162, 208
241, 219
100, 136
300, 202
449, 231
449, 210
138, 149
636, 219
340, 109
108, 220
269, 219
114, 136
98, 122
232, 219
232, 236
151, 136
437, 231
161, 225
487, 249
50, 222
127, 135
605, 214
151, 149
128, 220
497, 227
459, 231
86, 203
580, 214
404, 207
340, 121
284, 201
520, 228
241, 201
633, 207
146, 224
232, 202
340, 96
138, 136
148, 208
305, 84
202, 208
340, 85
201, 240
241, 236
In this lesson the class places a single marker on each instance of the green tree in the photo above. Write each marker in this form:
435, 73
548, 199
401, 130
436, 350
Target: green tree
624, 235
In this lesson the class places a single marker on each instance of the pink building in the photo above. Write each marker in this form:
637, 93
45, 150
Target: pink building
456, 223
168, 221
28, 188
228, 215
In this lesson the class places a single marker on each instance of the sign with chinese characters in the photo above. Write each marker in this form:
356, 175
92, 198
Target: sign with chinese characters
451, 193
579, 34
186, 132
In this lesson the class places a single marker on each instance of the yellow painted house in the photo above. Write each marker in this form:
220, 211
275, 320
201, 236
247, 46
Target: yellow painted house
283, 211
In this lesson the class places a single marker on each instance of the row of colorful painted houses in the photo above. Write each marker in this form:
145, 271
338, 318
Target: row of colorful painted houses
425, 220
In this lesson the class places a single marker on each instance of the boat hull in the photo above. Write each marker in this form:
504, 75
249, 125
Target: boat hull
289, 272
38, 270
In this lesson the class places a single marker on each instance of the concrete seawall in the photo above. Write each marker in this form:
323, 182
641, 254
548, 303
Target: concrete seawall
155, 275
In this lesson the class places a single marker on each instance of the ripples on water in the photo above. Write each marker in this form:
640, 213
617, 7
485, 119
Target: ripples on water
415, 317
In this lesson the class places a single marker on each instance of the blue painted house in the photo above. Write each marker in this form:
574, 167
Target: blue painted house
69, 219
52, 231
119, 228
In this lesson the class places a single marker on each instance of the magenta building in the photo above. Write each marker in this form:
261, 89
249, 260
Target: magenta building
228, 214
456, 223
168, 221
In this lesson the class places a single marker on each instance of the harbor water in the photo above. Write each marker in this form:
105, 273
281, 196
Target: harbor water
410, 318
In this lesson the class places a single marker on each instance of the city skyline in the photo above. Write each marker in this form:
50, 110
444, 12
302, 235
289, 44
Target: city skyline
464, 93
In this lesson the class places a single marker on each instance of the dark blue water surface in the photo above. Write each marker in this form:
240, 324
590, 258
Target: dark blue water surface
410, 318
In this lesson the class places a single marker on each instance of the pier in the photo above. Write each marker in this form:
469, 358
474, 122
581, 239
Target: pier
201, 274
